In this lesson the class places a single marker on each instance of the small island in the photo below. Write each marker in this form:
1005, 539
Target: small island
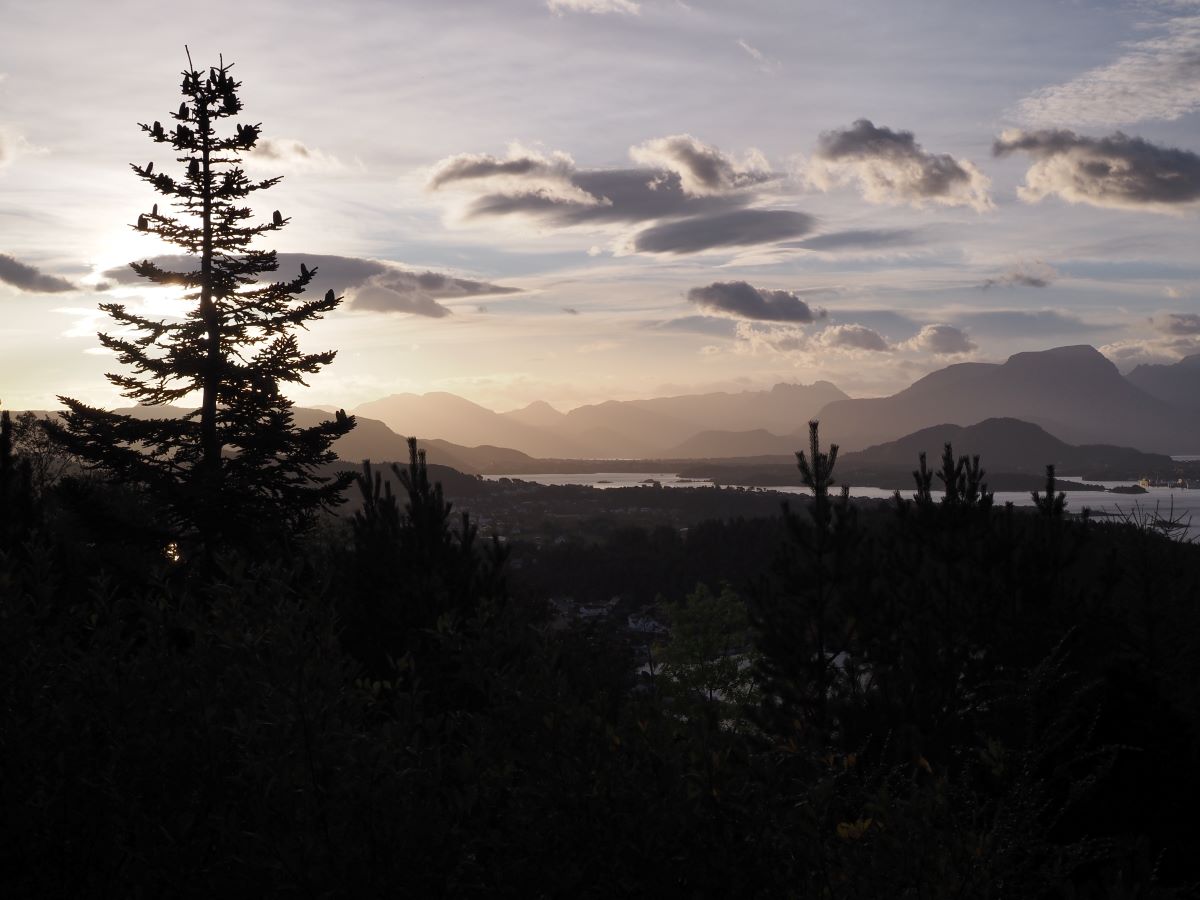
1127, 489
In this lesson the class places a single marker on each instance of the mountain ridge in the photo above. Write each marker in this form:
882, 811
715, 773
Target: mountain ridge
1063, 390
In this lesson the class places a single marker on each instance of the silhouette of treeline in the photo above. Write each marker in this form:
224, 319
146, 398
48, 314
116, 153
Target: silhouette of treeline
214, 691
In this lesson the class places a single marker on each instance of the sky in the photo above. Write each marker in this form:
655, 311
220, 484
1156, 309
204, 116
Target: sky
580, 200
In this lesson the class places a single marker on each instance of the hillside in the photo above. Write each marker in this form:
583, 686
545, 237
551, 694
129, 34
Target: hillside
758, 442
673, 426
1177, 384
1073, 392
1009, 446
459, 421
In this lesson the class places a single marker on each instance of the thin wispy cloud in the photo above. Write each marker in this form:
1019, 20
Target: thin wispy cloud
860, 239
1020, 323
890, 167
764, 62
1118, 171
1153, 79
13, 145
714, 326
595, 7
292, 155
1035, 275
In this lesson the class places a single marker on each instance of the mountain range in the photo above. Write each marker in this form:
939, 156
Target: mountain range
1075, 396
664, 427
1177, 384
1075, 393
1014, 456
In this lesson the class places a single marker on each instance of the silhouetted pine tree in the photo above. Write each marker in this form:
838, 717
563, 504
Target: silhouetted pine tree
238, 462
16, 491
413, 573
800, 622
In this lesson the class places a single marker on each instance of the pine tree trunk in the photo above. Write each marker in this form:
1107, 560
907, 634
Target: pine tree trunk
210, 443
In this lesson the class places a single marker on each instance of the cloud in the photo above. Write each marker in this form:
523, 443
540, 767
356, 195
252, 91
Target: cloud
567, 197
399, 291
765, 63
859, 239
1037, 275
852, 337
523, 172
1026, 323
740, 228
691, 196
570, 310
741, 300
890, 167
885, 321
1154, 79
791, 339
292, 155
27, 278
715, 326
702, 169
941, 340
369, 284
758, 337
1128, 353
1177, 324
595, 7
1118, 171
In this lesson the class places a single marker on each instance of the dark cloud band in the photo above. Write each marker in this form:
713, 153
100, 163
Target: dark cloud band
369, 284
25, 277
690, 196
744, 301
740, 228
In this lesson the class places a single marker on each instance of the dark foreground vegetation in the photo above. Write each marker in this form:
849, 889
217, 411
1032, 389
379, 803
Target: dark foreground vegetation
941, 700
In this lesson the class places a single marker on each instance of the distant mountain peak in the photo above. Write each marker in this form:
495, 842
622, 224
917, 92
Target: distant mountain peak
1075, 354
1074, 392
1176, 383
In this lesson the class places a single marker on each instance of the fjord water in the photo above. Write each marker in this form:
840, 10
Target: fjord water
1165, 502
